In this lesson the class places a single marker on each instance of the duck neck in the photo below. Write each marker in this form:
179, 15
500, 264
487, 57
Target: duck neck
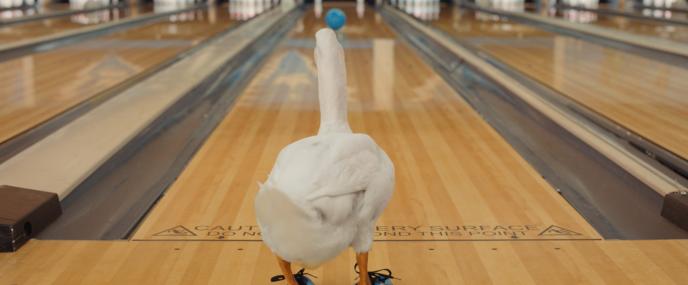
333, 98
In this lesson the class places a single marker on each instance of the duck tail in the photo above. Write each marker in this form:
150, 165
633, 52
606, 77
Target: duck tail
286, 228
277, 212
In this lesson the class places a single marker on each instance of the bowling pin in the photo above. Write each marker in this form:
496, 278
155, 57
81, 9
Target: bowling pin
251, 8
417, 8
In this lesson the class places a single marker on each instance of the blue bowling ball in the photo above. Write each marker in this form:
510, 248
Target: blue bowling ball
335, 19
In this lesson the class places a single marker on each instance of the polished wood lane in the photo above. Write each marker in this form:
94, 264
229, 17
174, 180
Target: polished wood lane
457, 179
39, 86
38, 28
494, 262
646, 96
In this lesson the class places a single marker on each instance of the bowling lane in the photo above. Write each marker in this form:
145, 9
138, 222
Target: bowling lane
457, 179
674, 32
38, 28
644, 95
39, 86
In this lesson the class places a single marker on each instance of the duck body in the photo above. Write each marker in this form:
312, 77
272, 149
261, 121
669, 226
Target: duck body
325, 192
323, 195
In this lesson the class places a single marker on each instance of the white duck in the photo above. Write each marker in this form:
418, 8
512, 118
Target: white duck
325, 192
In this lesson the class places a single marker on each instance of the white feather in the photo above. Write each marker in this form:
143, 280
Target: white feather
325, 192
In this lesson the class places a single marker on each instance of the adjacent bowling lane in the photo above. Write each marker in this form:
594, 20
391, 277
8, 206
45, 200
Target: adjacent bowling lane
38, 28
666, 14
628, 8
457, 179
12, 14
51, 9
39, 86
644, 95
669, 31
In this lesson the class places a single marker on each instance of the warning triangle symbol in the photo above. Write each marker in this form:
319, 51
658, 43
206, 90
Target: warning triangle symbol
178, 231
558, 231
